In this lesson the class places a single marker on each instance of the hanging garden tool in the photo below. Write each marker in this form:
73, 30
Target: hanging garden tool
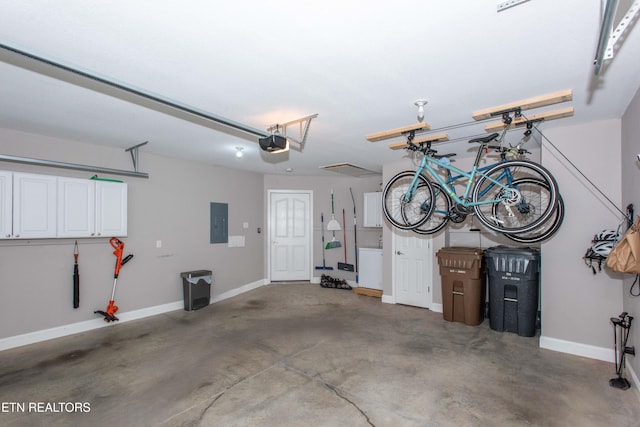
333, 226
76, 278
324, 262
355, 233
344, 266
109, 314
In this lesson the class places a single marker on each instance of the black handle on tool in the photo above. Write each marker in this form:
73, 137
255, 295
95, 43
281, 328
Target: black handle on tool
76, 278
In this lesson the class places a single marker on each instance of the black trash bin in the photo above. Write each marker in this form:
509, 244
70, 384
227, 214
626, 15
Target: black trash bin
196, 286
514, 275
463, 284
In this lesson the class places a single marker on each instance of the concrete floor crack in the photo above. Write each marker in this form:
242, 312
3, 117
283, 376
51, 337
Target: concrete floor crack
336, 390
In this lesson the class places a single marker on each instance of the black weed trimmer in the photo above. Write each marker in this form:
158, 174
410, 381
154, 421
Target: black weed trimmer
109, 314
621, 326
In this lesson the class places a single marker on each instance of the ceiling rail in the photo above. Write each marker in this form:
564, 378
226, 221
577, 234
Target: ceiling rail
122, 91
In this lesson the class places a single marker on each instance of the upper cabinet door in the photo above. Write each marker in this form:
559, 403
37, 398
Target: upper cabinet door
6, 204
34, 206
111, 209
372, 209
76, 207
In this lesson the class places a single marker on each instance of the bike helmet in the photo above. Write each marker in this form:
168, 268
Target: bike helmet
603, 247
607, 235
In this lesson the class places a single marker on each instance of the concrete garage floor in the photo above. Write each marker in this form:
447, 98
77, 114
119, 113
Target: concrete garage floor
302, 355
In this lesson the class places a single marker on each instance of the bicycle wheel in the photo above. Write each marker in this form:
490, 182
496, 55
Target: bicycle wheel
402, 207
510, 215
440, 215
545, 230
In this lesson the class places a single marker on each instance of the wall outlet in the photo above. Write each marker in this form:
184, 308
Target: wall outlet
158, 244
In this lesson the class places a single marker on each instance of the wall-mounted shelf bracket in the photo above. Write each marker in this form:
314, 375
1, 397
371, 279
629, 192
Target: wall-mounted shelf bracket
134, 154
303, 123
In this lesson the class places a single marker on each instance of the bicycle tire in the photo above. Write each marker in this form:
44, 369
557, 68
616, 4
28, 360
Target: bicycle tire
542, 233
440, 215
503, 216
397, 210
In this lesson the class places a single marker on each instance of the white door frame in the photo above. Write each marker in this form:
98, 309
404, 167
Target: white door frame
394, 285
310, 262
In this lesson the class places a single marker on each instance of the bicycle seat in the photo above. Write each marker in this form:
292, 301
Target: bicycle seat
485, 140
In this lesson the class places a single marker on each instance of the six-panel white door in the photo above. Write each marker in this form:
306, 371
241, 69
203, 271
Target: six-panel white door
412, 265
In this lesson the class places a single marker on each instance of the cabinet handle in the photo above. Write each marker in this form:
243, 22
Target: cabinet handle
8, 235
17, 235
93, 234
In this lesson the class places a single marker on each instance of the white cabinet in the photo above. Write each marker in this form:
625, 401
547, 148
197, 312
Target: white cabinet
91, 208
34, 206
373, 209
370, 268
111, 209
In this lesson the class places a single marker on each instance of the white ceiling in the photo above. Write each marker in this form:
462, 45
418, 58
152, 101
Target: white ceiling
359, 65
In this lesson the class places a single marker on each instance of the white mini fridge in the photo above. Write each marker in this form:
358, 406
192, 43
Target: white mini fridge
370, 268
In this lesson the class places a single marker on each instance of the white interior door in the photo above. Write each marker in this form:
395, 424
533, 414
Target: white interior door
290, 235
412, 265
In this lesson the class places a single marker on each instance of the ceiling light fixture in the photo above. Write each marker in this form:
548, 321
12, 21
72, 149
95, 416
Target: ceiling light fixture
420, 103
239, 152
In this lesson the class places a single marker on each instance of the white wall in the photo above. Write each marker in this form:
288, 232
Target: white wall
171, 206
631, 194
576, 304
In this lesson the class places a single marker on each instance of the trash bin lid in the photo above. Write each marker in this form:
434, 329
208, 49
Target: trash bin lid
460, 257
512, 260
463, 250
195, 273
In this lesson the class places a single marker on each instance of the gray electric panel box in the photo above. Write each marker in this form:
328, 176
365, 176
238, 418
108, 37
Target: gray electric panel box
219, 223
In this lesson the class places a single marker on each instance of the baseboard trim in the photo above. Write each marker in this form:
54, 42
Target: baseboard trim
435, 307
388, 299
237, 291
88, 325
578, 349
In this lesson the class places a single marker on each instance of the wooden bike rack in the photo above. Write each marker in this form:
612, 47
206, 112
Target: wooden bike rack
516, 108
398, 132
431, 138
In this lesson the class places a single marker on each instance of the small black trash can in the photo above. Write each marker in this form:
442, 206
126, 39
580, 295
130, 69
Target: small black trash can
514, 275
463, 284
196, 286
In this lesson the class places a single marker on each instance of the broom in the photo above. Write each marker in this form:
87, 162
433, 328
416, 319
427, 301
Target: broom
344, 266
333, 226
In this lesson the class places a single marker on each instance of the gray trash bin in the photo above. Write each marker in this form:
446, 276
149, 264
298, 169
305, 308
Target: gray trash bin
196, 286
513, 289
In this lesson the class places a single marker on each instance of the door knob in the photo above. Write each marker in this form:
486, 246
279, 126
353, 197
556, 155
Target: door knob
399, 253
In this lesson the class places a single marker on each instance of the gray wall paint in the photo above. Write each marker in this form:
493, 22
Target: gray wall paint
171, 206
576, 304
631, 194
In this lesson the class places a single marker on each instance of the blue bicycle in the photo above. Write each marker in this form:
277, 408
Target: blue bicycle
512, 196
